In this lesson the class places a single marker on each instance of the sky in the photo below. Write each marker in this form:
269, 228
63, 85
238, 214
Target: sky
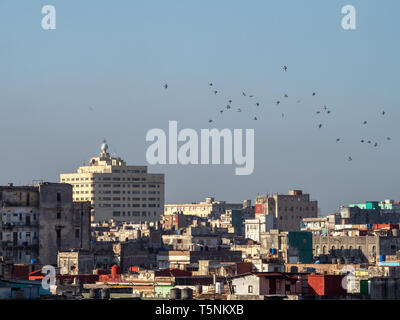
101, 73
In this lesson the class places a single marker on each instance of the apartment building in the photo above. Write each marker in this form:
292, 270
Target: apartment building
38, 221
355, 248
116, 190
255, 227
287, 210
208, 208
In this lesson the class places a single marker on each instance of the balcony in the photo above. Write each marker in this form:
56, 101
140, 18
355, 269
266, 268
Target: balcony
20, 224
12, 244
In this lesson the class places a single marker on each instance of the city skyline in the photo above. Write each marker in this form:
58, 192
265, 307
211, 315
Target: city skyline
101, 74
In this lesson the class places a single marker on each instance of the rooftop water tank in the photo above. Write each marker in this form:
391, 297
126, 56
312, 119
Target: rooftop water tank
187, 294
175, 294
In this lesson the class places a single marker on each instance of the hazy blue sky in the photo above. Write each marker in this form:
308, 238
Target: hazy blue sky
115, 56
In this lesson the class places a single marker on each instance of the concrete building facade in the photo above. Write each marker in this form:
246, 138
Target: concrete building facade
116, 190
355, 248
38, 221
287, 210
208, 208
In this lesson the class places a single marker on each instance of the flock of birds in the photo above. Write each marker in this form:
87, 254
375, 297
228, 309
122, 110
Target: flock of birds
324, 109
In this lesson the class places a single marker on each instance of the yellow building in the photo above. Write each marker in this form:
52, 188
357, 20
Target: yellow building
203, 209
117, 191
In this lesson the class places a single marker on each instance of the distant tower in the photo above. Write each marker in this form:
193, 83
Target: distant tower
104, 146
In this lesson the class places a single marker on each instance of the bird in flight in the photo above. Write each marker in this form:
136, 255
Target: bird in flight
338, 139
210, 84
228, 106
286, 96
368, 141
329, 111
284, 68
320, 126
278, 102
350, 158
362, 141
230, 101
255, 118
313, 93
243, 94
251, 96
388, 138
257, 104
375, 144
282, 115
239, 110
166, 86
215, 91
318, 112
383, 113
209, 121
365, 122
221, 111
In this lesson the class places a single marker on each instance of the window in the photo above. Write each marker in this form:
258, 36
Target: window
77, 233
250, 289
58, 196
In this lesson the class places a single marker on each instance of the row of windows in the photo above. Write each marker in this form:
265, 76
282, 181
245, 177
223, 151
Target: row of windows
297, 208
130, 171
125, 192
128, 199
76, 179
122, 179
26, 235
115, 186
103, 179
129, 185
134, 214
80, 192
135, 205
291, 217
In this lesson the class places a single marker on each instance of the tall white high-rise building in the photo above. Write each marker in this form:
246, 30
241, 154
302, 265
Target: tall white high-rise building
116, 190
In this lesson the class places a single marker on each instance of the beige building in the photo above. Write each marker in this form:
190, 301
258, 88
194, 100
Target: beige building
287, 210
208, 208
118, 191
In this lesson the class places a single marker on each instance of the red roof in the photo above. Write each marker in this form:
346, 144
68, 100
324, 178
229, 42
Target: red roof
36, 273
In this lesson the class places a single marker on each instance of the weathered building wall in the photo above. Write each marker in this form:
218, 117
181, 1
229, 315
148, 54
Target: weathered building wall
62, 224
75, 262
362, 248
